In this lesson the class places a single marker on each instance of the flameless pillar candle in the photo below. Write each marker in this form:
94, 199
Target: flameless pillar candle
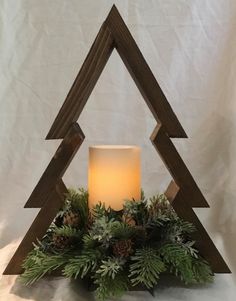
114, 175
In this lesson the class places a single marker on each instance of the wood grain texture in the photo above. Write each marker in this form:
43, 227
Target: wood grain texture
183, 192
143, 76
204, 244
83, 84
172, 191
114, 33
38, 228
57, 167
177, 167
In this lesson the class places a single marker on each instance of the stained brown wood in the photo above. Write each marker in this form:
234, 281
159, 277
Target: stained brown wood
171, 191
83, 84
177, 168
204, 244
183, 192
38, 228
114, 33
143, 76
57, 167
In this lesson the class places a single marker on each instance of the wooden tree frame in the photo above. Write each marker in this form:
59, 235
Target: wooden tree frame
182, 192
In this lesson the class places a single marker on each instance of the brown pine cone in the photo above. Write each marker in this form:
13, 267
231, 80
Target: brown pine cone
61, 241
128, 219
123, 248
71, 219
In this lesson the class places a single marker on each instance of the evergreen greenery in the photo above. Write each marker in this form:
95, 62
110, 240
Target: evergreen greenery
110, 267
38, 264
117, 250
67, 231
108, 287
82, 264
146, 267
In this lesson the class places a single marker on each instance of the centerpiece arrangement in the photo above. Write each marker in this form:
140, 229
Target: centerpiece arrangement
112, 237
114, 251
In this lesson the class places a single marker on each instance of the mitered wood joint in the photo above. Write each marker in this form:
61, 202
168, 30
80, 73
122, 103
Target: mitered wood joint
182, 192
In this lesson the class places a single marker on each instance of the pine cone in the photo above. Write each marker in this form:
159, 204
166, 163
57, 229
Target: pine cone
61, 241
123, 248
128, 219
71, 219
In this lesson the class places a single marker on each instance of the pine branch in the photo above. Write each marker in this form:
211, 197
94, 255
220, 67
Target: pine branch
99, 210
37, 264
137, 210
186, 227
82, 265
189, 247
146, 267
101, 230
110, 267
123, 231
202, 271
108, 287
178, 261
108, 240
176, 230
88, 241
67, 231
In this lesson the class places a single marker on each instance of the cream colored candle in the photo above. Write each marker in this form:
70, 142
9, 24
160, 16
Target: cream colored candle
114, 175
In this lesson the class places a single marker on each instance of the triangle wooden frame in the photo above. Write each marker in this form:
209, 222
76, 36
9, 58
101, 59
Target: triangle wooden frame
182, 192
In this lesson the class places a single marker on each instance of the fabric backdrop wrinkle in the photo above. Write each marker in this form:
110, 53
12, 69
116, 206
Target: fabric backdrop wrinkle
190, 47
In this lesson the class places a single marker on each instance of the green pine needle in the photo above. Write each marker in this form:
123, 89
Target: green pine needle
37, 264
67, 231
83, 264
101, 230
183, 264
202, 271
160, 241
108, 287
123, 231
146, 267
110, 267
99, 210
89, 242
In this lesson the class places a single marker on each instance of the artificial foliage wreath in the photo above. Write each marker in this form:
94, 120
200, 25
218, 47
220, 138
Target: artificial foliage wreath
117, 250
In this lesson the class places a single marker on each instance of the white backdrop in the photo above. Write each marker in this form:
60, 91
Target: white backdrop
190, 47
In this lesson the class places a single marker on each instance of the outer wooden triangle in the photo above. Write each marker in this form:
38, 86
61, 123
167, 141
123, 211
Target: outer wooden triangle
183, 192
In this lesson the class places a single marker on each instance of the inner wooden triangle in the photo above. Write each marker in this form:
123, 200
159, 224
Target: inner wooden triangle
182, 192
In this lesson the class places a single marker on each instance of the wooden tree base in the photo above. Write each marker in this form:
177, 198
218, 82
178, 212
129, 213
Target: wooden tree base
183, 191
